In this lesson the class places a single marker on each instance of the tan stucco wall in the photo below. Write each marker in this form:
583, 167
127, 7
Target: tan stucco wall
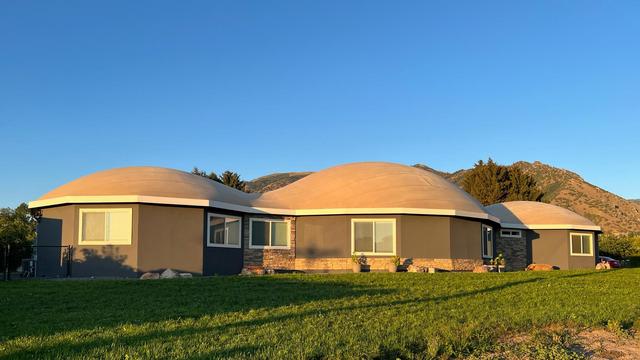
434, 237
323, 237
552, 247
90, 260
171, 237
330, 236
426, 237
466, 239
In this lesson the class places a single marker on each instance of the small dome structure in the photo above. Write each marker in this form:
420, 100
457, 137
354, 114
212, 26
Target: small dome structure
149, 181
368, 186
538, 215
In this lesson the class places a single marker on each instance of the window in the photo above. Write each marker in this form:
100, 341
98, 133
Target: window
511, 233
487, 241
581, 244
105, 227
224, 231
373, 236
265, 233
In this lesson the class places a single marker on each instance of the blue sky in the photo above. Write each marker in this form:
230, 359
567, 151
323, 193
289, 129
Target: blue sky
261, 87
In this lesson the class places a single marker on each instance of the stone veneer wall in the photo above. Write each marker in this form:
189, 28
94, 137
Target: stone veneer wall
269, 258
514, 251
382, 263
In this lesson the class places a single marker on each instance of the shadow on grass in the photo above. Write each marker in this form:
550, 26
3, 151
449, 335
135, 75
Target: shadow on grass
331, 290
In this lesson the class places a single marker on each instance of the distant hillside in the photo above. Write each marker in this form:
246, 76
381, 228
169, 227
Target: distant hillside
635, 201
274, 181
561, 187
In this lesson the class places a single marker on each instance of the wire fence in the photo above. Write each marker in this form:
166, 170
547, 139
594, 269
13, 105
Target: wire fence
56, 262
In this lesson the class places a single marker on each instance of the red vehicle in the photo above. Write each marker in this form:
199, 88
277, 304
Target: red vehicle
612, 262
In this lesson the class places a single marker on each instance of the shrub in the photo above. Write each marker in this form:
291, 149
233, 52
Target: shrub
620, 246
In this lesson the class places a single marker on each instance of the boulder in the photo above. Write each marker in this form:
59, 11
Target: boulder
168, 274
150, 276
541, 267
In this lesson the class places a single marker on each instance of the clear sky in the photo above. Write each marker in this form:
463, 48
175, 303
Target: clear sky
271, 86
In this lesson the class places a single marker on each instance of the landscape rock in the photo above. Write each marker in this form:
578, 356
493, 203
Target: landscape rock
245, 272
185, 275
541, 267
150, 276
168, 274
416, 268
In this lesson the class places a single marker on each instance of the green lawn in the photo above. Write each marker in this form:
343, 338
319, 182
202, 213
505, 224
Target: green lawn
375, 315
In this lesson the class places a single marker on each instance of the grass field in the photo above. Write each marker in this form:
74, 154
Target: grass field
374, 315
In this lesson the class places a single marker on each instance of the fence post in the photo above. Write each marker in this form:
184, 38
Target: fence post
7, 248
69, 252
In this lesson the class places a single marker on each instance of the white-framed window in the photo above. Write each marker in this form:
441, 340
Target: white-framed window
106, 226
223, 231
510, 233
487, 241
373, 236
269, 234
581, 244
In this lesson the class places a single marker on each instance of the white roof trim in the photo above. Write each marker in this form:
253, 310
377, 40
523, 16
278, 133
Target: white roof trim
550, 226
249, 209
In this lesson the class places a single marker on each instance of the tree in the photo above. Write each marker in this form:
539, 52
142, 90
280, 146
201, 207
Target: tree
229, 178
619, 246
522, 186
18, 230
232, 179
213, 176
491, 183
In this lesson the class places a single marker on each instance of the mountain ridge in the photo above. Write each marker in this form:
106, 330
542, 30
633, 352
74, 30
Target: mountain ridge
561, 187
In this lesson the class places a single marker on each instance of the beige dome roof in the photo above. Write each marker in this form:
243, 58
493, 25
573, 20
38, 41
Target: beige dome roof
358, 188
537, 215
370, 187
145, 182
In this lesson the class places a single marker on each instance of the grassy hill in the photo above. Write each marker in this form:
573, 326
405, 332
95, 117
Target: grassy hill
561, 187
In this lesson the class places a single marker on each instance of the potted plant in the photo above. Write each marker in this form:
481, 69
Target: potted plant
393, 265
500, 262
358, 261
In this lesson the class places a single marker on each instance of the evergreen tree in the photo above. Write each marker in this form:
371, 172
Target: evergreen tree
213, 176
232, 179
229, 178
491, 183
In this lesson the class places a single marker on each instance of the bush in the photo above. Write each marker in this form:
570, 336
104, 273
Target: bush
620, 246
17, 229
